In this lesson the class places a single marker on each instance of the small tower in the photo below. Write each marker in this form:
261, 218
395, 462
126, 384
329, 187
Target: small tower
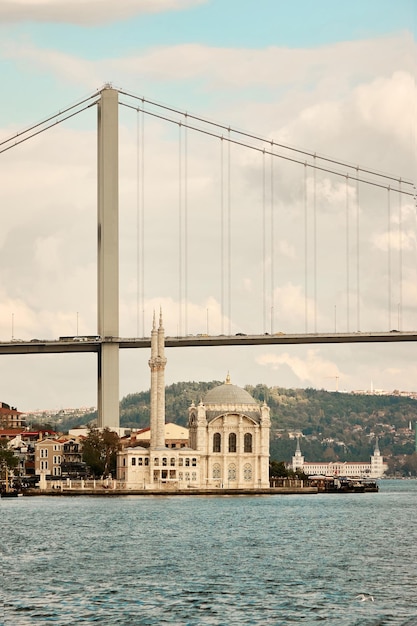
378, 467
297, 459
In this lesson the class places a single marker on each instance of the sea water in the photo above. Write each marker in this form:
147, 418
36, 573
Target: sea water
342, 559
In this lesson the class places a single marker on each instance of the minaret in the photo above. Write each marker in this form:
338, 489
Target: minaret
157, 364
161, 383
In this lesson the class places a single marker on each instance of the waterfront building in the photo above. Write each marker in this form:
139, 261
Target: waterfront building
227, 447
175, 437
48, 457
10, 417
374, 469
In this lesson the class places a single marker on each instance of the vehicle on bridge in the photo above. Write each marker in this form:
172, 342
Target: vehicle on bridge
81, 338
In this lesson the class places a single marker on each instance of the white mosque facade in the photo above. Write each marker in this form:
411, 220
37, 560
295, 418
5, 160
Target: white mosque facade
228, 446
376, 468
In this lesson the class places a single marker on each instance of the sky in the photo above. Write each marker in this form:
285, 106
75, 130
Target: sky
233, 240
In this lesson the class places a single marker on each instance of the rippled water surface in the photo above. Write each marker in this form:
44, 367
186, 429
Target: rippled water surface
211, 560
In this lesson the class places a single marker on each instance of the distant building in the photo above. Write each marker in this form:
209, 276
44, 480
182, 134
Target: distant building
175, 437
374, 469
10, 417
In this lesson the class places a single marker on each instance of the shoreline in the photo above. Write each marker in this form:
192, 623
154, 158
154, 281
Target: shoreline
176, 492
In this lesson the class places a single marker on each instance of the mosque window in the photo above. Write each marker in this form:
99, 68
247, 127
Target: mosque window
187, 475
194, 462
146, 461
156, 461
231, 474
133, 461
140, 460
232, 442
180, 461
180, 476
124, 461
247, 442
193, 475
216, 470
172, 461
164, 461
247, 471
217, 441
187, 462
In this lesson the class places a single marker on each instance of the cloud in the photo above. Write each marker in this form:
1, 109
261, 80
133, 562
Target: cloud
389, 102
86, 12
312, 370
238, 68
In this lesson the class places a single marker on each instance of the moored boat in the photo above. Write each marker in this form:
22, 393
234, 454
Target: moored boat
11, 494
343, 484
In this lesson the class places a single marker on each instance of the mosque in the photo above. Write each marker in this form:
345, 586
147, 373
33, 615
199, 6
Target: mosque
228, 446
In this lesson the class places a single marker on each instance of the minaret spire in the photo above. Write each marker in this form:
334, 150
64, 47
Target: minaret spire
157, 364
161, 382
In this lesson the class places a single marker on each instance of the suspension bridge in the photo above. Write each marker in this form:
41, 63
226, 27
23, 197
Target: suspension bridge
250, 228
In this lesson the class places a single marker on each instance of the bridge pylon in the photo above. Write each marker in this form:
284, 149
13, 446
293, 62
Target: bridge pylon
108, 257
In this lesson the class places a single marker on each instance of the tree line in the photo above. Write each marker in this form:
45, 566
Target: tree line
335, 426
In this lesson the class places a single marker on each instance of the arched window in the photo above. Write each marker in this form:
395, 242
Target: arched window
232, 472
217, 441
247, 442
216, 470
232, 442
247, 471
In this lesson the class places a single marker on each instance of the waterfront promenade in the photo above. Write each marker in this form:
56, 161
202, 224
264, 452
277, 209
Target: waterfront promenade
110, 487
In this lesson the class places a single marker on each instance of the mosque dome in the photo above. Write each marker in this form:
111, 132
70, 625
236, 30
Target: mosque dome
228, 394
226, 397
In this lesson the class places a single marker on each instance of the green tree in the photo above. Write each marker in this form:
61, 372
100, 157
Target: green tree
277, 469
7, 459
410, 465
100, 451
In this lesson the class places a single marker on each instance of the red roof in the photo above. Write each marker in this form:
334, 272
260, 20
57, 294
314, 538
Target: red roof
11, 411
11, 432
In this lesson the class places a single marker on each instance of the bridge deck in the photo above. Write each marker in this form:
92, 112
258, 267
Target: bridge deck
36, 346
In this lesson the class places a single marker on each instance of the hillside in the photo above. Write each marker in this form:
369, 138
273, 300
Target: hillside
334, 426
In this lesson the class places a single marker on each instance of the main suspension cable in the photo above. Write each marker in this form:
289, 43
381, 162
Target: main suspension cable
38, 132
48, 119
223, 127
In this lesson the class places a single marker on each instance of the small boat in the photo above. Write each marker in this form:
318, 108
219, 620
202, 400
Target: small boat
11, 494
